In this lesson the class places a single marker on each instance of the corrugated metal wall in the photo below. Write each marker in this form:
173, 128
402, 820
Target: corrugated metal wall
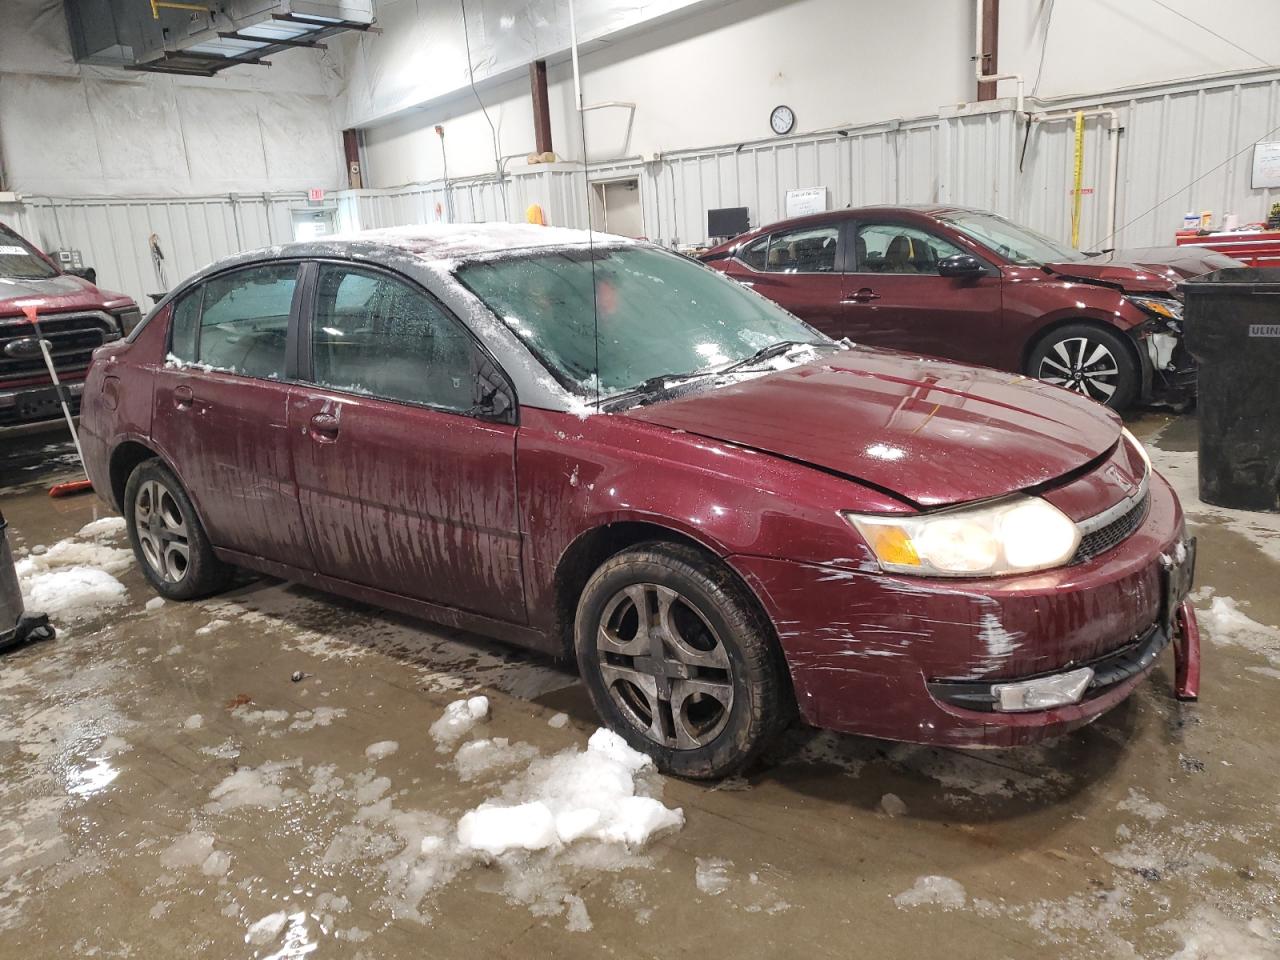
1183, 147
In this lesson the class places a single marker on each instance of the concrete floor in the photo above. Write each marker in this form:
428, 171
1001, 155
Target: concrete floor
1153, 833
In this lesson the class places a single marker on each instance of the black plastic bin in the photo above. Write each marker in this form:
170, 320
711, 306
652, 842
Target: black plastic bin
16, 625
1232, 327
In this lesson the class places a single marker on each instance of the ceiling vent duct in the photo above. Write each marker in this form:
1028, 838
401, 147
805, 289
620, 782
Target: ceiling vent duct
199, 39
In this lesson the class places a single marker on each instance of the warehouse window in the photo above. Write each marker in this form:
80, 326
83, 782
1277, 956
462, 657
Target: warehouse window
377, 335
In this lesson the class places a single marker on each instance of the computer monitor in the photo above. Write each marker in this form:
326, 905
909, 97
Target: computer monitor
728, 222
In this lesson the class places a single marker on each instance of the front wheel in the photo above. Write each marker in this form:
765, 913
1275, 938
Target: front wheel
1091, 360
679, 660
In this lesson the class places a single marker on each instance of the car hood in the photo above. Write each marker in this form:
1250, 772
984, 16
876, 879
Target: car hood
931, 432
1129, 277
57, 294
1174, 263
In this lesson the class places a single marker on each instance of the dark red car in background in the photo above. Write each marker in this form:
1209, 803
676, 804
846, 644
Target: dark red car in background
974, 287
75, 317
593, 445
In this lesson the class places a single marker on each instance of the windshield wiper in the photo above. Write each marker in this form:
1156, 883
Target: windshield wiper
767, 353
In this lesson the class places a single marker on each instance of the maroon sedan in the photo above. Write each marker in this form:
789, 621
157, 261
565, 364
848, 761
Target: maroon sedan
601, 447
972, 286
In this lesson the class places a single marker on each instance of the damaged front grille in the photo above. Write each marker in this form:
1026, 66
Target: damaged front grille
1112, 533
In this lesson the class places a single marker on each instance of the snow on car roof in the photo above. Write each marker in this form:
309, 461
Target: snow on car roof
460, 240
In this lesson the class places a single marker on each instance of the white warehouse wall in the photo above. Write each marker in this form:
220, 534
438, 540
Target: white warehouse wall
73, 130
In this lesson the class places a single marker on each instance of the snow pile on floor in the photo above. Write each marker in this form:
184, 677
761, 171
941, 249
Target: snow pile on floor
381, 750
1211, 935
1226, 623
572, 796
72, 579
458, 720
482, 757
943, 891
104, 528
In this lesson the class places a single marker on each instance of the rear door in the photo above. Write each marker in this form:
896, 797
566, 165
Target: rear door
798, 268
895, 297
221, 409
405, 460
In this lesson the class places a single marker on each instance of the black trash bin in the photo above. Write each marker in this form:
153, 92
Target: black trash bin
16, 625
1232, 327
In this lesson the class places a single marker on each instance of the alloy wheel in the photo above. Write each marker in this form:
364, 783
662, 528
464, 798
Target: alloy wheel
664, 666
1083, 365
162, 531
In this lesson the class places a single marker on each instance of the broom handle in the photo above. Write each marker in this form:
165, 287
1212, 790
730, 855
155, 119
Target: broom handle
62, 397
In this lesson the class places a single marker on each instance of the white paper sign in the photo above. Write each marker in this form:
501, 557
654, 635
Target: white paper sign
1266, 165
13, 251
810, 200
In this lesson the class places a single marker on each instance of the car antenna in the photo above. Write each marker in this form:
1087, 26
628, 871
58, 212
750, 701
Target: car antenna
586, 180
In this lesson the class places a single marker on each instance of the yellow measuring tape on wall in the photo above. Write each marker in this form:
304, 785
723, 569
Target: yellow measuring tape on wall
1077, 187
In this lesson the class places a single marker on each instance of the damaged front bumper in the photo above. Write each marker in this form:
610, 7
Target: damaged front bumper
928, 661
1169, 370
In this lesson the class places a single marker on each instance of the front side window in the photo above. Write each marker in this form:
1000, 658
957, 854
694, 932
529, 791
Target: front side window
656, 314
807, 250
19, 260
377, 335
894, 248
244, 320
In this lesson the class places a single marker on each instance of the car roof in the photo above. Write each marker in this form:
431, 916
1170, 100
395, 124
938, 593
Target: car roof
849, 213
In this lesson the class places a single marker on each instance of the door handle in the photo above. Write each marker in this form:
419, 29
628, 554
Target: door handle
182, 397
324, 428
865, 295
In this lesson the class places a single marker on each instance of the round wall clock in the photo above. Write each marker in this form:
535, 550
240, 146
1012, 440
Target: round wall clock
782, 120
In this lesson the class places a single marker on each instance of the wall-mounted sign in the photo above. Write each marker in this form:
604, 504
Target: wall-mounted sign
316, 195
809, 200
1266, 165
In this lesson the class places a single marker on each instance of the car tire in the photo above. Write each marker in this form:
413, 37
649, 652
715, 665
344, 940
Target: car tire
167, 538
1089, 359
722, 674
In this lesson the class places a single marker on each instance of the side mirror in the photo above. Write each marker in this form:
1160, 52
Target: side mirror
961, 265
85, 273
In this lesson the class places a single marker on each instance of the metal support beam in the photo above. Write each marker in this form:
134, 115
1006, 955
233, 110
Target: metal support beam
351, 150
989, 48
267, 41
541, 106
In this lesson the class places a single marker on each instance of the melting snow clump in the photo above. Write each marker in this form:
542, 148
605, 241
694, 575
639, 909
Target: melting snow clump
945, 892
72, 579
892, 805
459, 717
381, 750
266, 929
570, 796
712, 875
558, 721
479, 757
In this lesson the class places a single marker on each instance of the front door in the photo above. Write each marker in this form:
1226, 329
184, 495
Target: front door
894, 296
221, 410
406, 468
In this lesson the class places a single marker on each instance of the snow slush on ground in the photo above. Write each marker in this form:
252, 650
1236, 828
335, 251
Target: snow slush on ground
75, 578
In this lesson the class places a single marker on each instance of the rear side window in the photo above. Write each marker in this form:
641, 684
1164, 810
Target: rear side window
377, 335
244, 320
806, 250
185, 326
755, 253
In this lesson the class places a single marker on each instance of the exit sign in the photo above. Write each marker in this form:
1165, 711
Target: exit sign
316, 195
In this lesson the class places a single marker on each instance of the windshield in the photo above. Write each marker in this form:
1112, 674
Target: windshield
659, 314
19, 260
1016, 244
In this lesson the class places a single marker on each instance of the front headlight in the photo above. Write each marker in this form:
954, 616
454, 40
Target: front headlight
1014, 535
1158, 307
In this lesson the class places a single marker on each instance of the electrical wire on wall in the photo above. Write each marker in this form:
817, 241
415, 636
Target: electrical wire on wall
493, 131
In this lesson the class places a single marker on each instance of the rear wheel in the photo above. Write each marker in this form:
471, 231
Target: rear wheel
167, 537
679, 660
1089, 359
